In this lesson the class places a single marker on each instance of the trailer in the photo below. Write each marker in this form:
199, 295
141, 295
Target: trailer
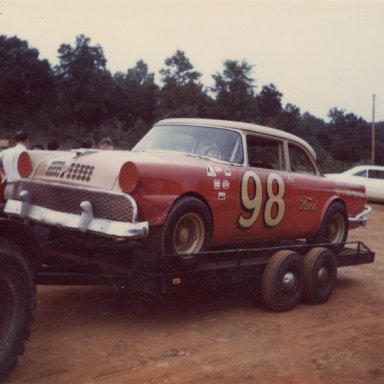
33, 254
286, 272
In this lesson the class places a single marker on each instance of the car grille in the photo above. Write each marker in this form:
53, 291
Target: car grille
60, 169
66, 198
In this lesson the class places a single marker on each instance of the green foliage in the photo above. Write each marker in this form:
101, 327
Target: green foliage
136, 95
269, 101
235, 92
179, 70
84, 85
79, 98
26, 85
182, 94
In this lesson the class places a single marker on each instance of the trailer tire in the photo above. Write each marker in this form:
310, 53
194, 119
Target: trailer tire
187, 230
282, 281
17, 304
334, 228
320, 271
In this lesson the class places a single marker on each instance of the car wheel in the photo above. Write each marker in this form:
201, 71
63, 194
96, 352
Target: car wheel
17, 304
187, 229
282, 281
334, 228
320, 271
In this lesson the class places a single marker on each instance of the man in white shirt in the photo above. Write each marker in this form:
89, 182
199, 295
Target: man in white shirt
8, 162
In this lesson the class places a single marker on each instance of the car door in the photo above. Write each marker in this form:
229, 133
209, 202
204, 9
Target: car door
265, 192
311, 192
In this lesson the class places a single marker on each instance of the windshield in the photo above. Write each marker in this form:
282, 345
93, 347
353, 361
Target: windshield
220, 144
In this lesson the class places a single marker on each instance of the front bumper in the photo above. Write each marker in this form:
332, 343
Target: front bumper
87, 211
361, 218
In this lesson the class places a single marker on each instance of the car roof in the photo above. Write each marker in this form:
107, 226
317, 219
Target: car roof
240, 126
359, 168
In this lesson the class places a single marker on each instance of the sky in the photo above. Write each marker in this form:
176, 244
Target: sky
319, 54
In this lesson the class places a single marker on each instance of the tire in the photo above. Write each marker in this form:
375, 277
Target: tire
187, 230
334, 228
282, 281
17, 304
320, 272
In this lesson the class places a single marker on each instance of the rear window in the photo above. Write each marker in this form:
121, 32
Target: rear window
300, 161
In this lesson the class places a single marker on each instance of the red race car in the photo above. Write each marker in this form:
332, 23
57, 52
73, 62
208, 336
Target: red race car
191, 185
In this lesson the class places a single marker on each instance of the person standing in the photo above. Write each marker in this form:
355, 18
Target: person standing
106, 143
8, 162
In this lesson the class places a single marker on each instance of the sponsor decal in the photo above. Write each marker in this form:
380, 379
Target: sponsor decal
210, 171
307, 204
354, 194
225, 184
347, 185
221, 196
216, 184
290, 179
218, 169
227, 171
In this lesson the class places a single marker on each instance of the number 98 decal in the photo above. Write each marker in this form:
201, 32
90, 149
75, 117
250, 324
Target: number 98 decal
252, 200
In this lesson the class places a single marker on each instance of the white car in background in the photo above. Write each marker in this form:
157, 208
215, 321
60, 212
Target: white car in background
372, 176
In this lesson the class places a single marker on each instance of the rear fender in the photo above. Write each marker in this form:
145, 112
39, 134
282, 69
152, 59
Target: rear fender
332, 200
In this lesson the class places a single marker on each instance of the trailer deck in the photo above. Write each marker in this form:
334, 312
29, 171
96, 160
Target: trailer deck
153, 274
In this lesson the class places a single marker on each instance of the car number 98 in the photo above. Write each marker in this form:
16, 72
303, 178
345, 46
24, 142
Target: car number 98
252, 195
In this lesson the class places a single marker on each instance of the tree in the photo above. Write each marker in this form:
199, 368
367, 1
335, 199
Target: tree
182, 95
26, 83
179, 70
290, 119
85, 85
350, 140
136, 96
269, 104
235, 92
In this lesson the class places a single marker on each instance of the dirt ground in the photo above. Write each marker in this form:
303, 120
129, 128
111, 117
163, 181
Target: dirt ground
96, 335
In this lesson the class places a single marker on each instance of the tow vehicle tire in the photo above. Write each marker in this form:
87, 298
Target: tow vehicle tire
320, 271
282, 281
17, 304
187, 230
334, 228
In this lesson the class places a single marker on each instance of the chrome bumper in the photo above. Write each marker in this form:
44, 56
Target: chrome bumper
361, 218
85, 222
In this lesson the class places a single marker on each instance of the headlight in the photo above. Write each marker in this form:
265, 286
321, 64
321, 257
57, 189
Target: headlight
128, 177
24, 165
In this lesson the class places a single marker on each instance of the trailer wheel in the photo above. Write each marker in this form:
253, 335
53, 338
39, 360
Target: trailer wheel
320, 271
17, 304
187, 230
334, 228
282, 281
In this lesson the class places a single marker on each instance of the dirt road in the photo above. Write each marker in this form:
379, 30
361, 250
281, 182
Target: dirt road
94, 335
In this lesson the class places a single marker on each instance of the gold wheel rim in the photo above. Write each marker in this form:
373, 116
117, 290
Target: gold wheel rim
337, 229
189, 234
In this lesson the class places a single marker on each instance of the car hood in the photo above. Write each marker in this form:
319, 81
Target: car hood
101, 169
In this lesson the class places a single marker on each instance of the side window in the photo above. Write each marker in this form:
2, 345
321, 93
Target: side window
264, 153
300, 162
361, 174
375, 174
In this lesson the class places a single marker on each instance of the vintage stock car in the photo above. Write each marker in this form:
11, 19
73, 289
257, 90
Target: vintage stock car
191, 185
